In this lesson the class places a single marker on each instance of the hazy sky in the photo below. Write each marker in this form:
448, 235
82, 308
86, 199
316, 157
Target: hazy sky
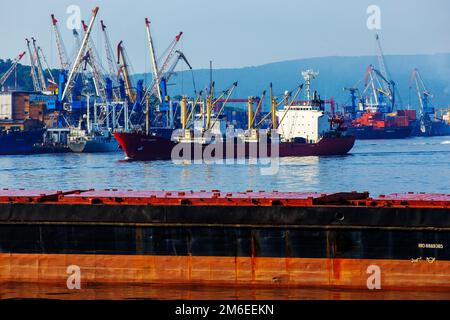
236, 33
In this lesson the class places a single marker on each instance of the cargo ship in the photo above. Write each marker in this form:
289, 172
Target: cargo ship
297, 130
372, 114
239, 239
375, 125
18, 142
431, 125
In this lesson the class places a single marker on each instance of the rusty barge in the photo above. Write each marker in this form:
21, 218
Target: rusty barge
225, 239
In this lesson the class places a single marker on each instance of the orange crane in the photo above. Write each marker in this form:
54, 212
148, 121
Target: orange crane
123, 70
11, 69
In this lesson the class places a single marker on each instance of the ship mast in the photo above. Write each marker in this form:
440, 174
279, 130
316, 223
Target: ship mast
309, 75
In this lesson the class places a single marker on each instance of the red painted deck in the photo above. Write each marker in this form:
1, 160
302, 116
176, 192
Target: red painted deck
216, 197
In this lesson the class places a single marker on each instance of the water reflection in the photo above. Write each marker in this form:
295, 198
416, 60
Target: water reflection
91, 292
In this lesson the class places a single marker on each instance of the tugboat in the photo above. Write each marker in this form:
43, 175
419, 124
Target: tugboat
301, 129
91, 142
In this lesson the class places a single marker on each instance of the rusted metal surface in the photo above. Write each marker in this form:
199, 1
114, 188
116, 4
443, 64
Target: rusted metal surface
218, 198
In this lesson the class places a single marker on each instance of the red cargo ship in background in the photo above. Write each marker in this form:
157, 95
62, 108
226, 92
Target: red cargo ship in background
303, 130
373, 117
376, 125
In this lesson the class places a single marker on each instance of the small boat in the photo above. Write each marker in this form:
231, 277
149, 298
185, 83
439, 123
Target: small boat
97, 141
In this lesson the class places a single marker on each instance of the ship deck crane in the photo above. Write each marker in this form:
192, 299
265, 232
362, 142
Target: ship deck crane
11, 69
60, 45
80, 55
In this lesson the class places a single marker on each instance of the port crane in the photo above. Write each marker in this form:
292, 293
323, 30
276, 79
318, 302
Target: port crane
388, 84
354, 91
422, 92
11, 69
80, 55
123, 68
153, 88
91, 59
380, 87
111, 61
36, 86
40, 70
151, 49
112, 66
47, 66
62, 53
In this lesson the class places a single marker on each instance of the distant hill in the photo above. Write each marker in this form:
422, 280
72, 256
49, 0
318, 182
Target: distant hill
335, 74
24, 81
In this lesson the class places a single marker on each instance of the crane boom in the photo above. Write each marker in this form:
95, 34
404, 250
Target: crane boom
60, 45
40, 70
33, 70
80, 54
422, 91
153, 58
46, 65
181, 56
153, 88
112, 67
381, 60
11, 69
90, 57
124, 70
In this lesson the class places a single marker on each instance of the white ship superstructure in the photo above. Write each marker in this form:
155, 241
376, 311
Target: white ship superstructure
306, 120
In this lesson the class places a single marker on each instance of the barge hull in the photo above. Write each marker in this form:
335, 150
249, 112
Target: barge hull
225, 239
224, 271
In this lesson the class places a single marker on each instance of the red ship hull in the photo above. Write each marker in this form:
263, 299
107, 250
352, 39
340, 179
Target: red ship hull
143, 147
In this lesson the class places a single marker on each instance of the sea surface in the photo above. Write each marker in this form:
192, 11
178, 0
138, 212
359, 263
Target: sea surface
378, 166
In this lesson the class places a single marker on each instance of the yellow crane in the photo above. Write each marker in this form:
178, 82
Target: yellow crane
123, 70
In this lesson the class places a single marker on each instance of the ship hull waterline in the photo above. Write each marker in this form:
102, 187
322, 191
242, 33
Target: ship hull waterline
143, 147
372, 133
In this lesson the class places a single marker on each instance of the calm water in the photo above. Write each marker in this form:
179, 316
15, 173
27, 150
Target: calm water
382, 166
